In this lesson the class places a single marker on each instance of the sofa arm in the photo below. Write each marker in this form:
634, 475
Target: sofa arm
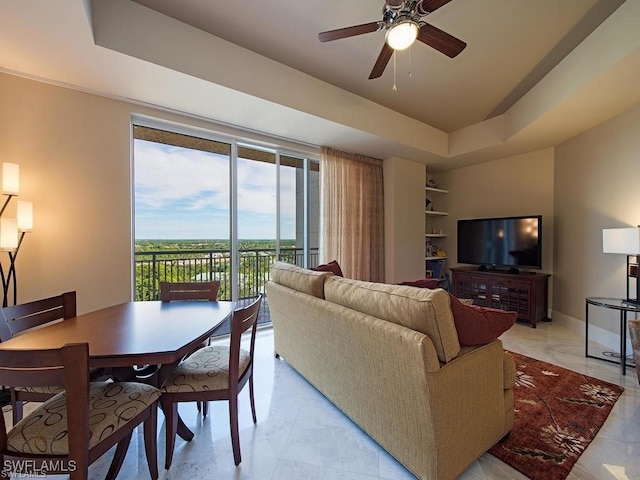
467, 401
509, 366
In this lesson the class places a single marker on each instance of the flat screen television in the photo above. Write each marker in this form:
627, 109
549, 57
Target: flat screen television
506, 242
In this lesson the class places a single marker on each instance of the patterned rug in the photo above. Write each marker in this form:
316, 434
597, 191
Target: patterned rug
558, 412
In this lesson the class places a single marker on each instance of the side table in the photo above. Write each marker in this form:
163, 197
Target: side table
624, 307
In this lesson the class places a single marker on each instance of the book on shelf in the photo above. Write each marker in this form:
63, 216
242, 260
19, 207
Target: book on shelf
435, 268
431, 249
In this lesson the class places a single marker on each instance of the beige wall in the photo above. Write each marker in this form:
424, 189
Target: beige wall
404, 182
596, 187
73, 149
73, 152
520, 185
580, 187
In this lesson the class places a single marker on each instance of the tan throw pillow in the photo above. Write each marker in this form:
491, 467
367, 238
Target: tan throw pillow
479, 325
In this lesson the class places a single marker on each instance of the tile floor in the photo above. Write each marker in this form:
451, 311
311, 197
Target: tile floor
301, 436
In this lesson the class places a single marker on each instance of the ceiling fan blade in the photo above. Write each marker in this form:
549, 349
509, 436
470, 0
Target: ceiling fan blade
381, 62
348, 31
428, 6
441, 41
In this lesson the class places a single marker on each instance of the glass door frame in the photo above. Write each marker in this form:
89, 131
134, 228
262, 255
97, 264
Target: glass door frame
234, 142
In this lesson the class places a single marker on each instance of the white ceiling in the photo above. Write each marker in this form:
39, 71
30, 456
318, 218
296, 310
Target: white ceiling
521, 68
504, 39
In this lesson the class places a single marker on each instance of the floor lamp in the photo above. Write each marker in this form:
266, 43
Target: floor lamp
625, 241
12, 230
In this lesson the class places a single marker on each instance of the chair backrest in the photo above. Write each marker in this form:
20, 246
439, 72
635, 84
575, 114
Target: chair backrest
22, 317
243, 319
170, 291
68, 366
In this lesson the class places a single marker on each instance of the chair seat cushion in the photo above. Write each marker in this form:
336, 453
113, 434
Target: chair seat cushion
49, 389
205, 370
111, 406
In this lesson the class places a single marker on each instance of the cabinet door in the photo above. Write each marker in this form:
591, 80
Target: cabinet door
471, 286
512, 295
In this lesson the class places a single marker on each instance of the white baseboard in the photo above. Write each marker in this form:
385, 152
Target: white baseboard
607, 339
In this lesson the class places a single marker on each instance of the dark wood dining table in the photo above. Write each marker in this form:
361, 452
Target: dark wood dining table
134, 333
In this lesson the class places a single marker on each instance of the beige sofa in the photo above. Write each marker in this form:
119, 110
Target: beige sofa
388, 356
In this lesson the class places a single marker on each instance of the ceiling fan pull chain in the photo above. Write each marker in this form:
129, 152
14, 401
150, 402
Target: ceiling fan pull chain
410, 63
394, 72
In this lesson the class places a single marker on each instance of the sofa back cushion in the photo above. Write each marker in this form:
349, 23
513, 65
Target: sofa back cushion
426, 311
299, 279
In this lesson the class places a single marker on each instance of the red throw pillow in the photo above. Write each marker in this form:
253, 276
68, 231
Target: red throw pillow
430, 283
332, 267
479, 325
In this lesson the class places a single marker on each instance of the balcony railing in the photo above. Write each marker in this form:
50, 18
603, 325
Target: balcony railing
153, 267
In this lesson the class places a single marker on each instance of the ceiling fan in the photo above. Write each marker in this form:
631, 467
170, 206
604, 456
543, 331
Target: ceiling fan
403, 22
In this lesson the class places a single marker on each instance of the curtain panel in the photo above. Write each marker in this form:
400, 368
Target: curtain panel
352, 214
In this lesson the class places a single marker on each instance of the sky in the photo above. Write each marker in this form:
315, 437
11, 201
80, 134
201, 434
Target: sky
182, 193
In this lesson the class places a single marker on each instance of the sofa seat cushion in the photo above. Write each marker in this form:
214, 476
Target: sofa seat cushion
479, 325
426, 311
299, 279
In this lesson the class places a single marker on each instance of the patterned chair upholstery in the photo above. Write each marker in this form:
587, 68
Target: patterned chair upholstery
191, 291
72, 429
17, 319
111, 405
215, 372
206, 369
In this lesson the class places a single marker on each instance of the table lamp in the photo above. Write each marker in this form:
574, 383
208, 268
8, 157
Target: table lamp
625, 241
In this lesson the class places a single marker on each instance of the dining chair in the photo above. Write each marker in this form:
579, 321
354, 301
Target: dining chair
68, 432
214, 372
191, 291
17, 319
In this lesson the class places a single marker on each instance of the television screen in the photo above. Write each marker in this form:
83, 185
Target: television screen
514, 242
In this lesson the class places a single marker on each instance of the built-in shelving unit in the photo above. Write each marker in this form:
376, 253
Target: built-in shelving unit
434, 264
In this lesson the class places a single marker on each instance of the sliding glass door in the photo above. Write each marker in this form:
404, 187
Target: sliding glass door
182, 208
299, 210
210, 208
257, 235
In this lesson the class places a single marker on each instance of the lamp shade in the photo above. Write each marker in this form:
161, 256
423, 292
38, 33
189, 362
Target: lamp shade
8, 234
25, 216
402, 35
625, 241
10, 178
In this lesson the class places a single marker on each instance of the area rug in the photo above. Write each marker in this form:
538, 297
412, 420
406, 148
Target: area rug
558, 412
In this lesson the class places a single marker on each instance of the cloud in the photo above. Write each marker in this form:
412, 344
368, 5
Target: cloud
185, 193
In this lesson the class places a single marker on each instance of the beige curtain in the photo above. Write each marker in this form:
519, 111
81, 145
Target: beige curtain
352, 214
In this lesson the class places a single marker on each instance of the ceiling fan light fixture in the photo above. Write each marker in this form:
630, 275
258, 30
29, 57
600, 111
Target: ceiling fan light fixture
402, 35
